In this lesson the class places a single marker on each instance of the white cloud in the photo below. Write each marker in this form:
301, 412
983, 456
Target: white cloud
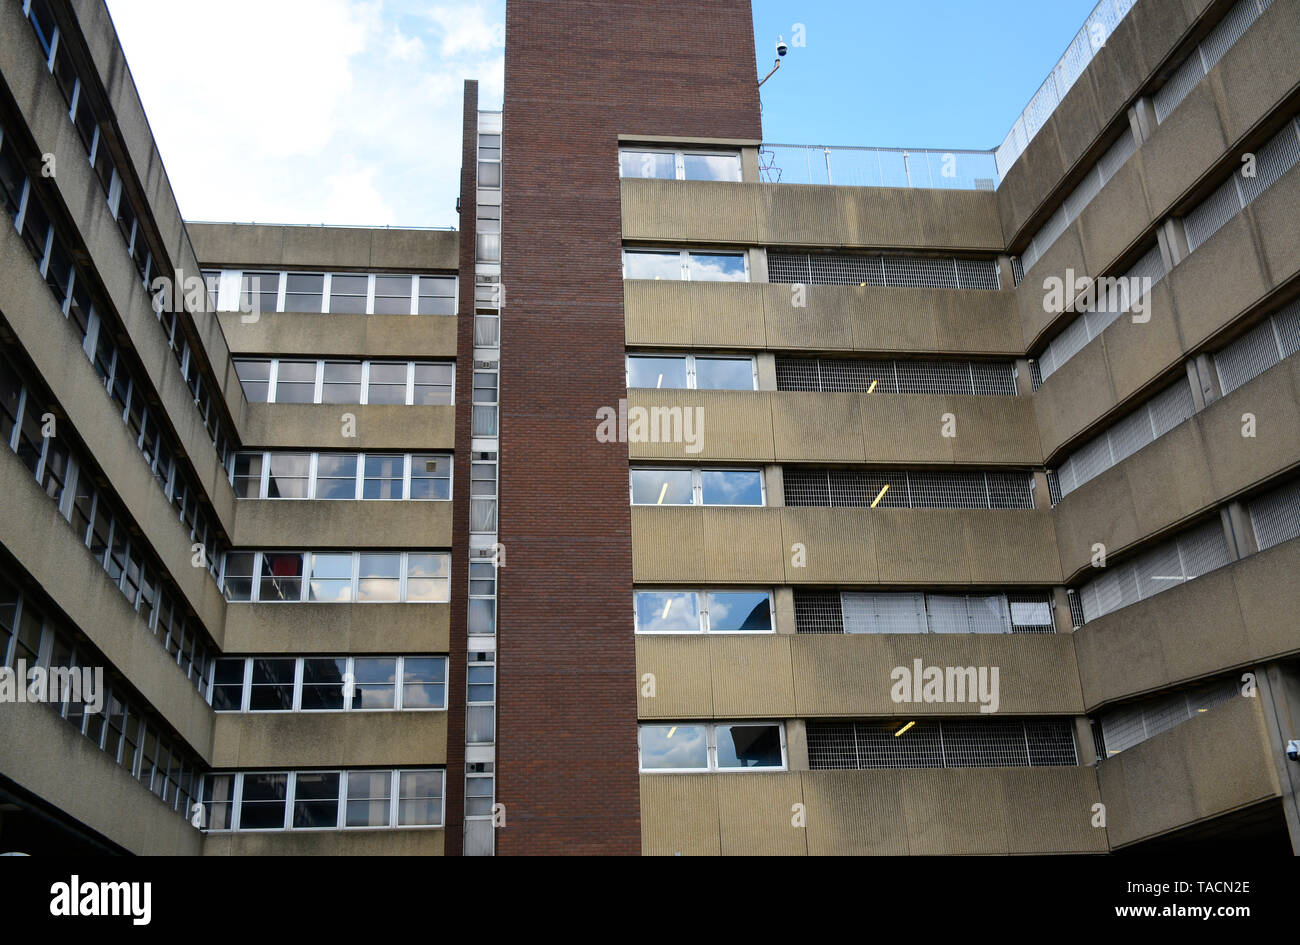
311, 111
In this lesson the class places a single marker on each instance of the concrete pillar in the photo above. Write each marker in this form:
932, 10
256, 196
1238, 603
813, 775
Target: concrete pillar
1061, 615
784, 600
1279, 696
749, 165
757, 264
1083, 739
766, 363
1142, 119
796, 744
1024, 377
774, 483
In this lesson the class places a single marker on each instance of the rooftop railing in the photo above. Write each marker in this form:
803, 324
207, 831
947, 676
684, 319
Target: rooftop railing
877, 167
1096, 30
953, 169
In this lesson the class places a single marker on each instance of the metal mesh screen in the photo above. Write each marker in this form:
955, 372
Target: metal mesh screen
1088, 325
1018, 269
1275, 515
937, 272
1122, 439
817, 611
823, 611
948, 489
893, 377
1203, 58
1133, 723
946, 743
1248, 357
1076, 608
1053, 487
1212, 213
1184, 558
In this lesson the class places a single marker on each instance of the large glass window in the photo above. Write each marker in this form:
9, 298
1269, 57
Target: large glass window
316, 799
723, 746
662, 371
348, 293
679, 165
341, 383
697, 266
419, 798
304, 291
263, 804
336, 476
683, 486
392, 295
293, 381
289, 475
272, 685
331, 578
680, 611
663, 487
369, 798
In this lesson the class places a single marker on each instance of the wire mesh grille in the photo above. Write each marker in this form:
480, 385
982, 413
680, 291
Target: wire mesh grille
823, 611
817, 611
1018, 269
907, 271
1275, 515
946, 743
1054, 487
1203, 58
1122, 439
1127, 725
1176, 561
1108, 306
1273, 159
894, 377
903, 489
1248, 357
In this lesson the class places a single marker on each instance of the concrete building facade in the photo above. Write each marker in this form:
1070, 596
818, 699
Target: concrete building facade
669, 505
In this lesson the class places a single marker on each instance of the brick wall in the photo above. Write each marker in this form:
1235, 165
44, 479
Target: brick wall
578, 74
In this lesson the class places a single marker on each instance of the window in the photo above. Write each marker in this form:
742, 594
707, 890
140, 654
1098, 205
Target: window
304, 292
419, 798
677, 486
369, 794
664, 371
348, 294
271, 685
380, 578
316, 799
341, 382
383, 477
721, 746
430, 476
729, 611
696, 266
679, 165
289, 475
336, 577
336, 476
297, 381
392, 295
263, 803
331, 578
329, 683
259, 292
437, 295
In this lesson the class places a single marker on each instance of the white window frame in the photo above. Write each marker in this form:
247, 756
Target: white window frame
679, 160
246, 691
690, 367
305, 578
230, 283
711, 746
697, 486
236, 800
273, 378
359, 479
702, 605
685, 258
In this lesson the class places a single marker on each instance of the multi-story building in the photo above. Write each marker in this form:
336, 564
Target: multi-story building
697, 495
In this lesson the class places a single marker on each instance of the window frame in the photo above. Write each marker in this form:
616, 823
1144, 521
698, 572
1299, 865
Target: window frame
697, 486
359, 477
273, 379
684, 256
305, 575
230, 280
702, 596
300, 682
679, 161
691, 377
235, 802
711, 746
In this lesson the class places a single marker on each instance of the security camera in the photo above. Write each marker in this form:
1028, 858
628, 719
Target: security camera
1293, 749
781, 47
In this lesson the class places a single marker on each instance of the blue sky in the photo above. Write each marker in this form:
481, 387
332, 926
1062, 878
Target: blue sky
348, 111
921, 74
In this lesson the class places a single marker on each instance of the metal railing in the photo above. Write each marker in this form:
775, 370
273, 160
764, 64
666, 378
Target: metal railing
877, 167
1105, 16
